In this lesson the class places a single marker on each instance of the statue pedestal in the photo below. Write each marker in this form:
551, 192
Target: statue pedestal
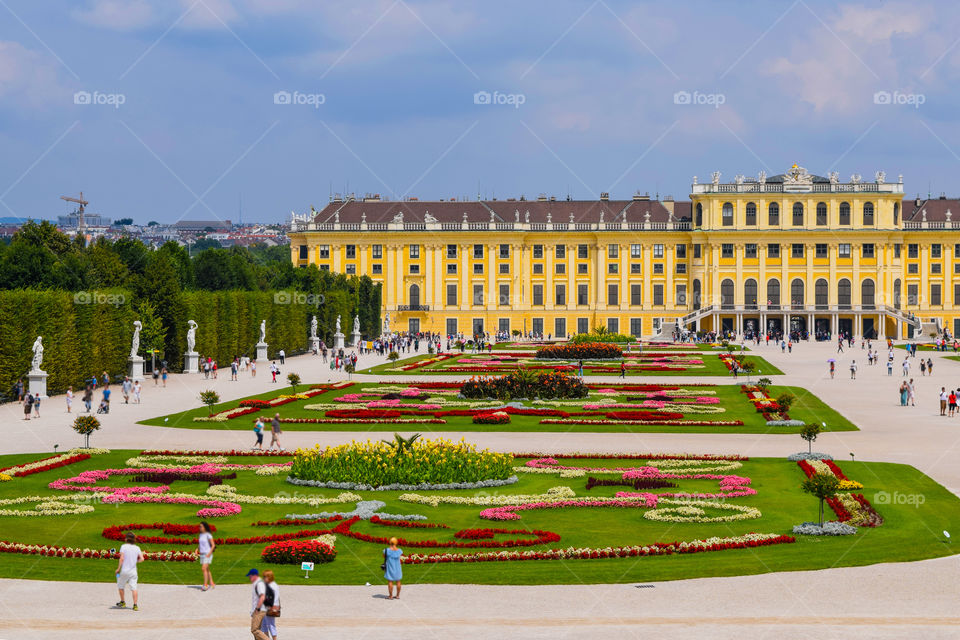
37, 383
354, 339
338, 341
135, 368
315, 344
262, 352
191, 362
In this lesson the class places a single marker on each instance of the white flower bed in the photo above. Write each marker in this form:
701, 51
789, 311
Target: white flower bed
553, 494
785, 423
832, 528
229, 493
693, 511
365, 510
396, 486
803, 455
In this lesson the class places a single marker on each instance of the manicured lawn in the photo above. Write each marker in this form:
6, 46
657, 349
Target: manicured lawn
910, 532
654, 363
735, 405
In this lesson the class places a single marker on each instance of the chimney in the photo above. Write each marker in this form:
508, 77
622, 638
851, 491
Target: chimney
605, 196
668, 204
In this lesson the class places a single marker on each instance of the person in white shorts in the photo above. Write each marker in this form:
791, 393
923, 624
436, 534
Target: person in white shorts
130, 556
205, 547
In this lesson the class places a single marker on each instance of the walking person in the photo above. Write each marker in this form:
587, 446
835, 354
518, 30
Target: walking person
853, 369
126, 388
36, 405
832, 368
130, 557
88, 397
258, 430
392, 570
889, 367
580, 369
953, 402
136, 392
271, 601
903, 394
27, 405
944, 399
156, 377
205, 549
274, 370
911, 393
929, 366
275, 432
253, 368
69, 399
623, 369
923, 367
257, 610
283, 356
163, 375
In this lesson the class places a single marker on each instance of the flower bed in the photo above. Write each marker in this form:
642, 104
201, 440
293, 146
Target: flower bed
45, 464
537, 537
399, 486
591, 351
297, 551
54, 551
494, 417
545, 385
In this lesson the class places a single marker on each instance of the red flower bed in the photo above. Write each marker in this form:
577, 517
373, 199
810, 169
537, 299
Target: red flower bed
172, 475
636, 483
254, 403
875, 519
117, 532
296, 521
212, 452
369, 413
494, 417
53, 465
539, 537
477, 534
407, 524
643, 415
633, 456
842, 514
297, 551
836, 470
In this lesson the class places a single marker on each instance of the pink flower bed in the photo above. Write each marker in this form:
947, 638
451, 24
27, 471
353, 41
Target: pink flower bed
509, 512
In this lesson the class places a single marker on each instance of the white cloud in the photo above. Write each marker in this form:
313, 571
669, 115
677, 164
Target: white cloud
29, 78
120, 15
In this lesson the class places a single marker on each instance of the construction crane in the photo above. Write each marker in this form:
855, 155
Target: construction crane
81, 204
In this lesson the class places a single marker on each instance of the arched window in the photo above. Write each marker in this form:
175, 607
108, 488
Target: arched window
845, 213
727, 214
843, 293
773, 214
868, 293
798, 214
696, 294
796, 291
896, 293
821, 214
726, 293
821, 293
414, 296
699, 214
751, 220
896, 213
750, 293
773, 292
868, 214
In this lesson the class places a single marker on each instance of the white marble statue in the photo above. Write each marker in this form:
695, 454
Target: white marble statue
191, 336
263, 331
356, 324
135, 347
37, 354
313, 327
386, 324
338, 323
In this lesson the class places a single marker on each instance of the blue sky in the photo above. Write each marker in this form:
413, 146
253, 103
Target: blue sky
592, 99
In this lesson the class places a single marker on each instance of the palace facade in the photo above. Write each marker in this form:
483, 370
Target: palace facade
791, 252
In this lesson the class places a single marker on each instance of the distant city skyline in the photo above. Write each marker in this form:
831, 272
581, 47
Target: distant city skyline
194, 109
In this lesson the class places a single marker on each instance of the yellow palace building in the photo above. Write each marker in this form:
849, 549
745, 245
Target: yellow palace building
794, 252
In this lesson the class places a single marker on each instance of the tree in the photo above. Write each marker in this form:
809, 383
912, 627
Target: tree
785, 400
821, 486
122, 222
763, 383
809, 432
153, 333
294, 380
85, 425
349, 368
209, 398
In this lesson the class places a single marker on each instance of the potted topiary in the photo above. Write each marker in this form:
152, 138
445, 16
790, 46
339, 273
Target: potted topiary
209, 398
393, 356
809, 432
785, 400
821, 486
85, 425
294, 380
763, 383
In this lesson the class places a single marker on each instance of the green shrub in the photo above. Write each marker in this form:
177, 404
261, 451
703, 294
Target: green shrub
589, 351
209, 398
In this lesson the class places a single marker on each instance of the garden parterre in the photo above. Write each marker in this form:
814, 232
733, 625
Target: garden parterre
744, 508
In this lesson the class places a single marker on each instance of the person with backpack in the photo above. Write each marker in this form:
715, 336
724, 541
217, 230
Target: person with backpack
271, 601
257, 609
258, 430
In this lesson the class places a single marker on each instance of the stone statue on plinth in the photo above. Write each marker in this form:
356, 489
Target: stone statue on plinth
135, 362
191, 359
36, 377
262, 344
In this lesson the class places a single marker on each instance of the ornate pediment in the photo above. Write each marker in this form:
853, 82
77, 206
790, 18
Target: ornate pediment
797, 175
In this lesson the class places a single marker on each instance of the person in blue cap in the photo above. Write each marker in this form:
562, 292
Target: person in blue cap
257, 608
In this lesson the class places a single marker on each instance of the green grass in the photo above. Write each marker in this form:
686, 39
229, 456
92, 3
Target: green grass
807, 407
909, 532
712, 366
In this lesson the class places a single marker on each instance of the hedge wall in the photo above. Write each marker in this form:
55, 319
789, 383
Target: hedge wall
83, 340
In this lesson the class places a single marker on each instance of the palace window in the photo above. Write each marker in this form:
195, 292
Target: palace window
869, 250
304, 252
613, 325
478, 294
821, 293
612, 267
936, 251
452, 268
351, 250
843, 250
504, 251
561, 267
636, 267
773, 250
773, 214
658, 268
376, 251
613, 295
681, 267
583, 294
583, 325
681, 252
583, 267
478, 268
936, 297
843, 293
451, 295
583, 251
798, 214
560, 327
936, 268
897, 248
796, 250
414, 251
504, 267
727, 214
414, 269
504, 295
658, 251
538, 269
561, 295
913, 294
636, 327
658, 295
561, 251
323, 251
377, 269
681, 299
636, 295
750, 250
351, 269
845, 213
478, 251
913, 251
868, 214
751, 219
613, 250
699, 215
451, 251
726, 250
956, 251
821, 214
537, 251
696, 252
820, 250
636, 250
913, 268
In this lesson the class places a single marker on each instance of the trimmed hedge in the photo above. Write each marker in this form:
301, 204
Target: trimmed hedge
589, 351
514, 385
